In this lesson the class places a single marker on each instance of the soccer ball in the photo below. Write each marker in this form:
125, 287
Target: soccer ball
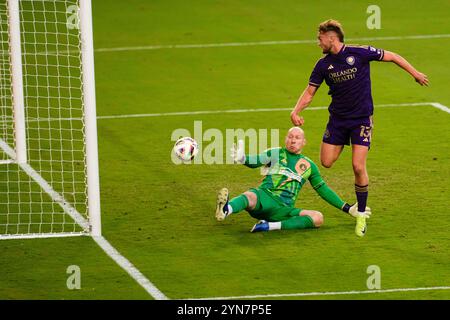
185, 149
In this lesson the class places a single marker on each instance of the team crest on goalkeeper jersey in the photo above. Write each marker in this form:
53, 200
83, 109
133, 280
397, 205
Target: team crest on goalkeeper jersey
302, 166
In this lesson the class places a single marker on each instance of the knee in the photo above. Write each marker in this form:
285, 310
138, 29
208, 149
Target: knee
359, 169
317, 218
327, 163
251, 198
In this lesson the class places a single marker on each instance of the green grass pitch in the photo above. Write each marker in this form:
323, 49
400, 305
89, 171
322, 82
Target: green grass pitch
161, 216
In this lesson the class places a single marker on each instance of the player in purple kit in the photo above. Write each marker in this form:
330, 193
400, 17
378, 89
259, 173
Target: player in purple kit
346, 71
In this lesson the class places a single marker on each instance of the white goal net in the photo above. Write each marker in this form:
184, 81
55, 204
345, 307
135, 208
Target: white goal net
44, 119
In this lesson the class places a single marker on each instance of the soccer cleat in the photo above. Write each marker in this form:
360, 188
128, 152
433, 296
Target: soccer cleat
260, 226
354, 211
222, 204
361, 226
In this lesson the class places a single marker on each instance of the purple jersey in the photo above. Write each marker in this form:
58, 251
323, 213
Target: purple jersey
347, 73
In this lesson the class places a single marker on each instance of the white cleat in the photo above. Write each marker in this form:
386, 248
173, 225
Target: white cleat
222, 204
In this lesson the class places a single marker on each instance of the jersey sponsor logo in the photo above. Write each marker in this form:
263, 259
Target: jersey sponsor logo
330, 67
350, 60
344, 75
277, 168
290, 174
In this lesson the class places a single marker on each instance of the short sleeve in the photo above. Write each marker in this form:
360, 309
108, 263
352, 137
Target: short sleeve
373, 54
316, 77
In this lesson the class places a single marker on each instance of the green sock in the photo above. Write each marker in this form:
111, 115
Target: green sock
300, 222
238, 203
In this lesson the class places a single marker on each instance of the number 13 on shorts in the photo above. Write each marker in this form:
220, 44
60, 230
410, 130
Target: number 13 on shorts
366, 133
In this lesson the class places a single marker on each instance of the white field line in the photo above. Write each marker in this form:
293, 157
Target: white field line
190, 113
227, 44
193, 113
76, 216
306, 294
6, 161
42, 235
130, 268
59, 199
440, 107
265, 43
231, 44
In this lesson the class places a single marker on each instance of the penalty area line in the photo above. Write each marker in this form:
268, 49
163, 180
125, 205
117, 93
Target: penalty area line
264, 43
192, 113
228, 111
440, 107
306, 294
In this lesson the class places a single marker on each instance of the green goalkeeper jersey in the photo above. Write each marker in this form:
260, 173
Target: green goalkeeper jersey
285, 174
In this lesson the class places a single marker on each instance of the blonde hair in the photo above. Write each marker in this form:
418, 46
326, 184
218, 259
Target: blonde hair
332, 25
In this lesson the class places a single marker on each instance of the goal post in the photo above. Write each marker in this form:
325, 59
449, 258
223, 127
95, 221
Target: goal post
17, 82
49, 174
90, 116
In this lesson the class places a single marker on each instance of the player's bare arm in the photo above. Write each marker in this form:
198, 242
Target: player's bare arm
304, 101
420, 78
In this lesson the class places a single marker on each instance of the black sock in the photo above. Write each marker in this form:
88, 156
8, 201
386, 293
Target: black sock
362, 192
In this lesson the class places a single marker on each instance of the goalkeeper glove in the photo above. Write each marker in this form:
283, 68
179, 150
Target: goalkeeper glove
353, 210
238, 154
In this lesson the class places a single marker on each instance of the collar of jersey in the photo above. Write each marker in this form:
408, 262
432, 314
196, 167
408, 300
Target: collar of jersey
339, 53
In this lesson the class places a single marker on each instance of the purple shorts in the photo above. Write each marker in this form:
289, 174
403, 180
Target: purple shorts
341, 131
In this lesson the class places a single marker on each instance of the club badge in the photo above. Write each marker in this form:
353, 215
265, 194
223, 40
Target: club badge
350, 60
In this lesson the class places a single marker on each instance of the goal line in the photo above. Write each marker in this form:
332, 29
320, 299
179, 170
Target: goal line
335, 293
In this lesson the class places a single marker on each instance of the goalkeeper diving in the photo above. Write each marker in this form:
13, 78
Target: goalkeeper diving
285, 170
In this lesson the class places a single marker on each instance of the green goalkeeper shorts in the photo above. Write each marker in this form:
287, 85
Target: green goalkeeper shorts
270, 209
